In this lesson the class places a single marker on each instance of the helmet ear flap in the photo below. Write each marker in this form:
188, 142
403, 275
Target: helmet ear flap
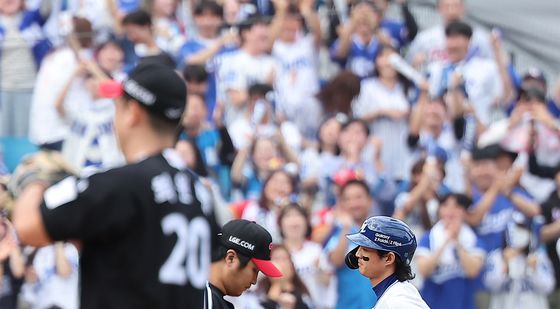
351, 259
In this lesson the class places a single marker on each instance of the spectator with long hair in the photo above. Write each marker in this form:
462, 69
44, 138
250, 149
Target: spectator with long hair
277, 191
308, 257
288, 291
383, 105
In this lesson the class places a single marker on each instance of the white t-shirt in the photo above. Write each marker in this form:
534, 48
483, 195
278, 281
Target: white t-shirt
309, 261
401, 295
374, 96
296, 78
482, 83
51, 289
431, 42
91, 140
241, 132
45, 124
240, 70
522, 287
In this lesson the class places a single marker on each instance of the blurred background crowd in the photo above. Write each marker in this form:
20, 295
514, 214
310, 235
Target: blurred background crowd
308, 116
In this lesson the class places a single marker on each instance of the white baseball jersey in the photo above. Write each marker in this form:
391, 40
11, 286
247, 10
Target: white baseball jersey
238, 71
401, 295
296, 78
482, 82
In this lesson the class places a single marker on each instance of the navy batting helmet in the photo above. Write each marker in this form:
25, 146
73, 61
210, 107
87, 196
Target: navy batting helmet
386, 234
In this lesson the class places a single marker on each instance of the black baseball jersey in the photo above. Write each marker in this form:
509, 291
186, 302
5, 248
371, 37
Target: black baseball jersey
215, 298
146, 230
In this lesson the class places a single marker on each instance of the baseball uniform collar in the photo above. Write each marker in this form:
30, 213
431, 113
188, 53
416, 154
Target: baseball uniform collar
384, 285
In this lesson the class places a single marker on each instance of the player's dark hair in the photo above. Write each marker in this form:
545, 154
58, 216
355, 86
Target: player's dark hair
211, 7
138, 17
221, 252
301, 211
355, 182
195, 73
458, 28
403, 272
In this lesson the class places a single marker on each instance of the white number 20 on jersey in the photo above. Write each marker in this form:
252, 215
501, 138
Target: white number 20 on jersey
190, 257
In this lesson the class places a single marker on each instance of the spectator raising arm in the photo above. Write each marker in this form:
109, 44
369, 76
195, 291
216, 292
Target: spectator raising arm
409, 20
345, 38
472, 264
428, 264
501, 62
476, 214
338, 254
230, 37
281, 8
238, 165
417, 114
311, 20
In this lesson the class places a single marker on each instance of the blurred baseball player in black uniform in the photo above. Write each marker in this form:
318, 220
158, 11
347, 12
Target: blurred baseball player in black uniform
144, 233
243, 251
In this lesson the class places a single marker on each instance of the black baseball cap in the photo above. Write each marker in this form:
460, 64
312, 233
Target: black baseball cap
490, 152
156, 86
251, 240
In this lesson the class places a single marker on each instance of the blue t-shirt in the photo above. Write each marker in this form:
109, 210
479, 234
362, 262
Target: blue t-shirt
128, 6
208, 142
448, 287
396, 30
194, 46
491, 229
360, 59
354, 290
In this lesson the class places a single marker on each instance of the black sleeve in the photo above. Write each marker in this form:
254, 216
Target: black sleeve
412, 141
227, 152
459, 127
87, 208
409, 22
538, 170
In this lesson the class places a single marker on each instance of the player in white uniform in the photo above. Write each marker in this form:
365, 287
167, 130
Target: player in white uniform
385, 249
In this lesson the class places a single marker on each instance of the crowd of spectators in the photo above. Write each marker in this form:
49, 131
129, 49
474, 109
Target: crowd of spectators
298, 118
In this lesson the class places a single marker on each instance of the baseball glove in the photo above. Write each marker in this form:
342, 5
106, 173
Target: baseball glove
47, 167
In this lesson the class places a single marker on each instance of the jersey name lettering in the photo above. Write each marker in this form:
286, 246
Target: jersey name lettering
167, 189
